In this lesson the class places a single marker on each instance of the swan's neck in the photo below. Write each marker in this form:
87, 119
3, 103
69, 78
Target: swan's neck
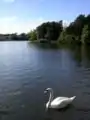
50, 97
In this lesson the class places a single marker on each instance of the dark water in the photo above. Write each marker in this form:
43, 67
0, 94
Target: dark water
27, 69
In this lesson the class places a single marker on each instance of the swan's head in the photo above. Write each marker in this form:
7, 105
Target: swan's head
48, 89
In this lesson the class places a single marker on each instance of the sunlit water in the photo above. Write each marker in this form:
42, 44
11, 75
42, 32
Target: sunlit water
27, 69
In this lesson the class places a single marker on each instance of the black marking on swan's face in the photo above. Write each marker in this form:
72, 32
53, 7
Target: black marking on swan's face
48, 89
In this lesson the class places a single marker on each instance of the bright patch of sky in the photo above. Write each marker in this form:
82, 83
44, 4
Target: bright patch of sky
24, 15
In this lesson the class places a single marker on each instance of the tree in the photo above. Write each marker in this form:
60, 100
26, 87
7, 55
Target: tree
23, 36
66, 38
77, 26
62, 36
49, 30
85, 38
14, 36
32, 35
88, 19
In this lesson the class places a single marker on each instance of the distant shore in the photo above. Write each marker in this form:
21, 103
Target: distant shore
12, 40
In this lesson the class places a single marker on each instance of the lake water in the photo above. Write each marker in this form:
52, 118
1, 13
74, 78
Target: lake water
27, 69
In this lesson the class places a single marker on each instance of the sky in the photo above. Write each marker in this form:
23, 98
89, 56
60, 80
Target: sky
24, 15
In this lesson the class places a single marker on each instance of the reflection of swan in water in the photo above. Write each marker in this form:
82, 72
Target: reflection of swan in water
70, 112
59, 102
3, 113
67, 113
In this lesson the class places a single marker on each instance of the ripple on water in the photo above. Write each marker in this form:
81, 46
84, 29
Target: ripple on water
14, 93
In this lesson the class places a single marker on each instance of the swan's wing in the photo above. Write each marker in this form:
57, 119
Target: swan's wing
59, 100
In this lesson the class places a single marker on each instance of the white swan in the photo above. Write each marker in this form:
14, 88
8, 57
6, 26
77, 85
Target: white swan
59, 102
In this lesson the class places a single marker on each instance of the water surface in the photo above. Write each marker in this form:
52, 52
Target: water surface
27, 69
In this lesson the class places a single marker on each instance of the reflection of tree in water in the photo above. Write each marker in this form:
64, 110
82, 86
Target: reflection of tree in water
81, 54
87, 50
3, 114
77, 53
67, 113
46, 45
87, 55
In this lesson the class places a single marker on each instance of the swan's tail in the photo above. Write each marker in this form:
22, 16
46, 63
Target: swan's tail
72, 98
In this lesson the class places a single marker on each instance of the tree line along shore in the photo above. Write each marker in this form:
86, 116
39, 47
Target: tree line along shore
77, 31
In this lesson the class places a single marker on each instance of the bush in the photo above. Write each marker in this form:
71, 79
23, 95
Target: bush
32, 35
85, 38
67, 38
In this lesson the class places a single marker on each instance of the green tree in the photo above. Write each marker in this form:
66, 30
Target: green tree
75, 28
49, 30
62, 35
66, 38
32, 35
85, 38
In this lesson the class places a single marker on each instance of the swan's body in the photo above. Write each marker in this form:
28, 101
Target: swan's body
59, 102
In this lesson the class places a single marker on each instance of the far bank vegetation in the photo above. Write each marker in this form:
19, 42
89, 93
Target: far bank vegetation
78, 31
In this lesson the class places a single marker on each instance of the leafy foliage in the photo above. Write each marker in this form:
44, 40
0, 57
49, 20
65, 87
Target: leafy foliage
21, 36
85, 38
49, 30
77, 31
32, 35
